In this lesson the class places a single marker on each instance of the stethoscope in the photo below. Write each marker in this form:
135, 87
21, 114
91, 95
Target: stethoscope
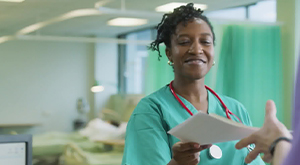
214, 151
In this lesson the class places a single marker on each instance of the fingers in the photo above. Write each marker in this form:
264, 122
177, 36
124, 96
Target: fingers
203, 147
187, 153
245, 142
195, 161
252, 155
270, 110
192, 151
181, 147
187, 158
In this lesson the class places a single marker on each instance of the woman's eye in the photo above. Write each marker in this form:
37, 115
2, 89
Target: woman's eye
206, 42
183, 42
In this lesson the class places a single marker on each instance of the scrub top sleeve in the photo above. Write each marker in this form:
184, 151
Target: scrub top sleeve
146, 141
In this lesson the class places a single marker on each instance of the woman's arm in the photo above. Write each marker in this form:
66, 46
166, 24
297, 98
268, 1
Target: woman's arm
281, 150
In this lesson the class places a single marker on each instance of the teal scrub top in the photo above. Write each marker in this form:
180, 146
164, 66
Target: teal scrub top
148, 143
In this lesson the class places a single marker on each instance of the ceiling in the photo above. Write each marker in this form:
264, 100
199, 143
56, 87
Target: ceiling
16, 16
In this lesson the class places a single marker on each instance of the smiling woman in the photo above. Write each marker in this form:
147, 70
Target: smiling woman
189, 40
193, 52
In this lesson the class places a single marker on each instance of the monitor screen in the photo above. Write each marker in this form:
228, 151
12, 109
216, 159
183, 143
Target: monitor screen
13, 153
15, 150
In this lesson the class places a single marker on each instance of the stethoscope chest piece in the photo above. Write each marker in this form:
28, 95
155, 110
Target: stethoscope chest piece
215, 152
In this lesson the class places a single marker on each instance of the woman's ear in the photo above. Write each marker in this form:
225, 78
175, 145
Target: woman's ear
168, 53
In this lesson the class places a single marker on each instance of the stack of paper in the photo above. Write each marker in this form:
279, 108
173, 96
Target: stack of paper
210, 128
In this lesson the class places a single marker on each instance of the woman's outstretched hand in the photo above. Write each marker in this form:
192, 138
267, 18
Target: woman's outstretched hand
264, 137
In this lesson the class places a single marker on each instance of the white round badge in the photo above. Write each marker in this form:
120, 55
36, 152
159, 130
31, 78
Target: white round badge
215, 152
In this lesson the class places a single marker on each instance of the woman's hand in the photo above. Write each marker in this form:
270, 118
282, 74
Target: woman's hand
271, 130
187, 153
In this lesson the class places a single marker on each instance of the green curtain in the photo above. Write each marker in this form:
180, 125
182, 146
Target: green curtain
158, 72
248, 67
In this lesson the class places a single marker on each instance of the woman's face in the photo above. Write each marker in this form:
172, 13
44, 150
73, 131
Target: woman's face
192, 49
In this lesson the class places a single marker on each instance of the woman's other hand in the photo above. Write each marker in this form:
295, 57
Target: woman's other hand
187, 153
271, 130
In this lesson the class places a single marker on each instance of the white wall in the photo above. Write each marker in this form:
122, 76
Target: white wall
41, 81
106, 72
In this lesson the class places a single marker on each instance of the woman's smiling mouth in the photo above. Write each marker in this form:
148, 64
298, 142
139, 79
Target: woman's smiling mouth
195, 61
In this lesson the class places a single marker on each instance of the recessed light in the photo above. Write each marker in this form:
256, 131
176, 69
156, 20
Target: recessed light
12, 0
69, 15
121, 21
169, 7
96, 89
5, 38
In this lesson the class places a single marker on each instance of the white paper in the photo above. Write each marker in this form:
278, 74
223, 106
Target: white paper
210, 128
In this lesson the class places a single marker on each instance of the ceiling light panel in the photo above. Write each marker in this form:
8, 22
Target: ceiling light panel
169, 7
121, 21
12, 0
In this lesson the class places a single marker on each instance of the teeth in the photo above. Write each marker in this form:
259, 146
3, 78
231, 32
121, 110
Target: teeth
195, 62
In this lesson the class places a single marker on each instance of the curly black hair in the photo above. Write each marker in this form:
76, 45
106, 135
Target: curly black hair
169, 22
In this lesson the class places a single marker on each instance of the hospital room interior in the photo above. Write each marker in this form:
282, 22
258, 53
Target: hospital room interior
72, 71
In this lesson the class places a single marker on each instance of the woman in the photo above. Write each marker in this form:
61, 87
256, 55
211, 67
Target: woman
189, 40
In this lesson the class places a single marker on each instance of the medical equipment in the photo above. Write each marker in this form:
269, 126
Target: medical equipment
227, 111
215, 152
83, 109
16, 149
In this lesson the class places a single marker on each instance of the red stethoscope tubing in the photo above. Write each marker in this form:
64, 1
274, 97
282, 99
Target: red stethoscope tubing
227, 111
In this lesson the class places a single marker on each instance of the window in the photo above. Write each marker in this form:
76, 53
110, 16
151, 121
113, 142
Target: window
132, 74
238, 13
264, 11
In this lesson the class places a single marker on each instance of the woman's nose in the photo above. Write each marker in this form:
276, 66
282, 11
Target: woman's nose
195, 49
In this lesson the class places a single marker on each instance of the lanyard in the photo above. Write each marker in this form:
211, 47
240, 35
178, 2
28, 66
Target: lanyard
227, 111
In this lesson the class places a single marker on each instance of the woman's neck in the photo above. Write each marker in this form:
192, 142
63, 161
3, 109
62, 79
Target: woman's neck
192, 90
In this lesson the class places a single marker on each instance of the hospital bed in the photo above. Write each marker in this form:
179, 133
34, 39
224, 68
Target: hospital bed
47, 148
74, 155
70, 148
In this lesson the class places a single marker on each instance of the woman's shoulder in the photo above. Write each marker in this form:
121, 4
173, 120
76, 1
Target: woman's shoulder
156, 96
152, 102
